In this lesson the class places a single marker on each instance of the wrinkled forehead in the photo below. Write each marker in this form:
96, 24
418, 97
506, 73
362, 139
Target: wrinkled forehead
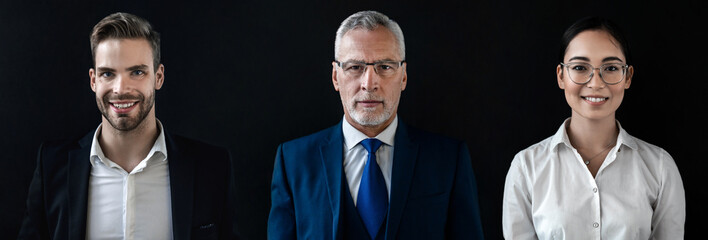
369, 45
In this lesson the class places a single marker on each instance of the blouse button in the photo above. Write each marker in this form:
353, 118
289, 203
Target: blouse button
594, 190
595, 225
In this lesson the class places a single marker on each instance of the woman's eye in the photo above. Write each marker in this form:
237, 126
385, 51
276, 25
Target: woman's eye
579, 68
611, 68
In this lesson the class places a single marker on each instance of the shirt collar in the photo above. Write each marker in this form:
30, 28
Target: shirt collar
159, 146
561, 136
352, 136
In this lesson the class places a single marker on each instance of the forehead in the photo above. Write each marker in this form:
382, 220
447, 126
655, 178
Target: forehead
595, 45
363, 44
118, 53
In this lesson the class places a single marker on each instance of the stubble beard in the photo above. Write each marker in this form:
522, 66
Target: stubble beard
367, 116
123, 122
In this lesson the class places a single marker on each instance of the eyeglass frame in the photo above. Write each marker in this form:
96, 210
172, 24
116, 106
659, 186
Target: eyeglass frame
592, 73
400, 64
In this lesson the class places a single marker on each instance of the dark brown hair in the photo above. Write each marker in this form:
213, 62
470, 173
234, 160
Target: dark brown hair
594, 23
126, 26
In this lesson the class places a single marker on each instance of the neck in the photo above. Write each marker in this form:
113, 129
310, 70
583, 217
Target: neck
370, 131
592, 133
128, 148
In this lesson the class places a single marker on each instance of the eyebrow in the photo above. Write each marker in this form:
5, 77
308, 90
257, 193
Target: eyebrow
132, 68
138, 67
105, 69
607, 59
377, 61
579, 58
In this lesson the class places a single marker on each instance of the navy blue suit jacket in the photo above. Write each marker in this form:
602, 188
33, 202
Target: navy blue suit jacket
201, 188
433, 190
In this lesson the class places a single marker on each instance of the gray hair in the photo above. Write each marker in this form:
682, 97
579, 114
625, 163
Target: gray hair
369, 20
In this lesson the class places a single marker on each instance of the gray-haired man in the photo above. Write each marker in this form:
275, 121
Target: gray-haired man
372, 176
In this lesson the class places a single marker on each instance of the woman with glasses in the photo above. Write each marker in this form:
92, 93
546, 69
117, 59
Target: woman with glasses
592, 180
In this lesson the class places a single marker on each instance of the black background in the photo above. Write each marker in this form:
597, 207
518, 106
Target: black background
251, 75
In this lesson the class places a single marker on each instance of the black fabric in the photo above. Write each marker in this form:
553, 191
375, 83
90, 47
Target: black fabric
201, 187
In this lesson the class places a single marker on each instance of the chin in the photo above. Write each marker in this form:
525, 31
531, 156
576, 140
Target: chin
369, 119
596, 115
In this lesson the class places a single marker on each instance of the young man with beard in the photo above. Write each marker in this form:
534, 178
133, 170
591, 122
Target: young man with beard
130, 179
371, 176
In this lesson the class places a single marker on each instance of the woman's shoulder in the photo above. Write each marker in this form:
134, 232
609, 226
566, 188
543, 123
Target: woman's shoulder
647, 151
536, 152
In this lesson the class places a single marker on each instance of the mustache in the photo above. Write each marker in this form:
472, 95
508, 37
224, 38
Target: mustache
120, 97
368, 97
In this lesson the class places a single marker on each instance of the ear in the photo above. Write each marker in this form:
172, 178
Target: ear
404, 81
92, 79
559, 76
159, 76
630, 74
335, 81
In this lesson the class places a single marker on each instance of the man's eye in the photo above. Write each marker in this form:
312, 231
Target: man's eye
138, 72
354, 68
385, 67
106, 74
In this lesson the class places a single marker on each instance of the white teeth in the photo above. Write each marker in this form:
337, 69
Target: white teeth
123, 105
593, 99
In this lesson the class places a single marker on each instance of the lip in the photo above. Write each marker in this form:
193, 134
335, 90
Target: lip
593, 100
123, 110
369, 103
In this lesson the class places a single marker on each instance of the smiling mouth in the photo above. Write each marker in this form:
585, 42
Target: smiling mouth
123, 105
596, 99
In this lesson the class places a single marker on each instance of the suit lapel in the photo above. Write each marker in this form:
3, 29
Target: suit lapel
332, 157
78, 172
181, 189
405, 153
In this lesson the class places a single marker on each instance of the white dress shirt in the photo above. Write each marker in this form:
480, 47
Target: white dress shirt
550, 194
129, 205
355, 155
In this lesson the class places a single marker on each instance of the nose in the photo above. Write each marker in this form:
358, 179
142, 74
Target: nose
370, 80
121, 84
596, 80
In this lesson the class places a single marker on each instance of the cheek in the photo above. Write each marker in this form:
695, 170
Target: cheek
345, 94
101, 90
618, 94
572, 93
571, 89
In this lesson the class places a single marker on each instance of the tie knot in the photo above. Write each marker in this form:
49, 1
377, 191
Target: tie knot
371, 144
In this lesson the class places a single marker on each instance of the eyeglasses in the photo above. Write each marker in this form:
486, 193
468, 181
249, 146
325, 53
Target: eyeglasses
354, 69
610, 73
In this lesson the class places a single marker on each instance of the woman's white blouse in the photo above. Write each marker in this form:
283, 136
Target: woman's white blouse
636, 194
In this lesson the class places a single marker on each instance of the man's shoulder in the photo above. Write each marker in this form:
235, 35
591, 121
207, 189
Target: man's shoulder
62, 146
192, 144
182, 146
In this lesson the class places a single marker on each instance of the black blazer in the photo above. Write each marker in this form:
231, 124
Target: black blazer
201, 184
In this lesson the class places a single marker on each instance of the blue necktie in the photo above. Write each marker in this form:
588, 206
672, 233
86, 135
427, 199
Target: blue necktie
372, 202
